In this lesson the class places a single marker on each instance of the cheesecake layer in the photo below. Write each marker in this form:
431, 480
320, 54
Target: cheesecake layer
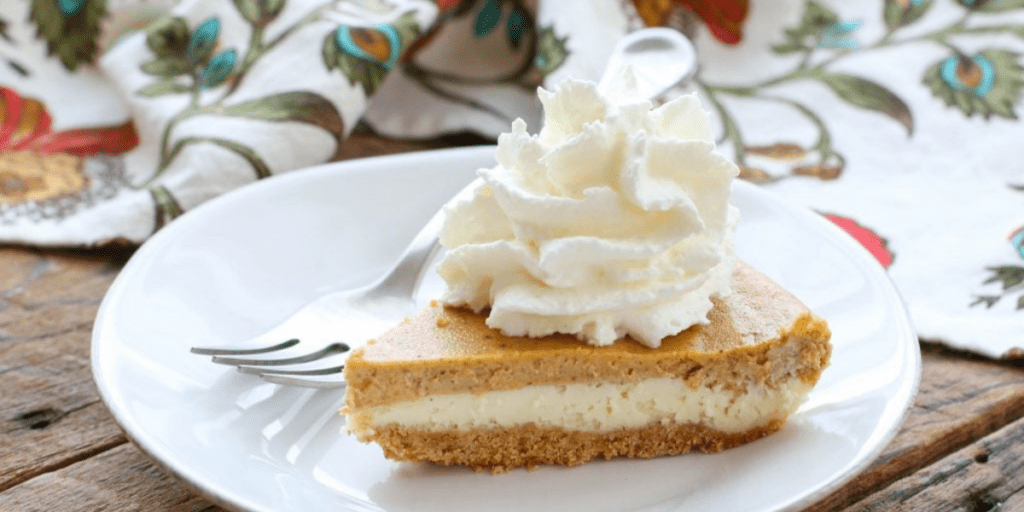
597, 407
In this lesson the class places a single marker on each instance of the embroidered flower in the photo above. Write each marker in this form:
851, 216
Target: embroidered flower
35, 176
1017, 241
986, 83
180, 53
25, 124
836, 35
876, 245
724, 18
366, 54
898, 13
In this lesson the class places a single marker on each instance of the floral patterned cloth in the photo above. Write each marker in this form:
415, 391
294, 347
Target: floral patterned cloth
895, 119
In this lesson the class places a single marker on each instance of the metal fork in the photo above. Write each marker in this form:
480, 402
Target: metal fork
656, 58
305, 350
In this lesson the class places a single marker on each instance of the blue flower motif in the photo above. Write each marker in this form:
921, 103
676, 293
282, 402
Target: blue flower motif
835, 35
516, 26
1017, 241
203, 40
487, 18
70, 7
219, 69
975, 75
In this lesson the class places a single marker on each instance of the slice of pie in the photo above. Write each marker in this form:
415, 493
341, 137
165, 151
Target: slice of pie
444, 388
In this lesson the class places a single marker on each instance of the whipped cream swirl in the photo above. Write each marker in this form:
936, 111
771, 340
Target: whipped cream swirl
614, 220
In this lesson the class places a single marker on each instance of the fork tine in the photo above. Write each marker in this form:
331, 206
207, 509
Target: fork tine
213, 351
263, 370
333, 348
310, 381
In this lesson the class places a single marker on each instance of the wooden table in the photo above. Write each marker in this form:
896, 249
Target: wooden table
961, 446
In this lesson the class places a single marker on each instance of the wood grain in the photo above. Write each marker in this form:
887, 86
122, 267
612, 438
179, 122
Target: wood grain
51, 412
962, 398
986, 475
118, 480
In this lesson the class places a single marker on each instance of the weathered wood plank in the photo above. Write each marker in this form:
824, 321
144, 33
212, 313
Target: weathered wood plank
118, 480
961, 399
50, 412
986, 475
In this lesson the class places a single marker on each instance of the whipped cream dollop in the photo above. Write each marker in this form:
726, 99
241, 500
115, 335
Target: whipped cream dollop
614, 220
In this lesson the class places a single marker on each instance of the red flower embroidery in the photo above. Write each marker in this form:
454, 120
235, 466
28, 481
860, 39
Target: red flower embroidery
875, 244
25, 124
724, 18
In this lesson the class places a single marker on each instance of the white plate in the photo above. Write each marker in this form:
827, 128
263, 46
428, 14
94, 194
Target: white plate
240, 263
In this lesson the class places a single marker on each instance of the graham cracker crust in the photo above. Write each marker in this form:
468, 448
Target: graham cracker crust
501, 449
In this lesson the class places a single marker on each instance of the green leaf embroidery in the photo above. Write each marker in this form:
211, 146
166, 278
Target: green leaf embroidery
271, 8
1009, 275
167, 207
168, 37
869, 95
166, 67
898, 14
3, 31
998, 5
249, 9
551, 51
259, 12
987, 300
302, 107
1020, 303
808, 32
72, 37
162, 88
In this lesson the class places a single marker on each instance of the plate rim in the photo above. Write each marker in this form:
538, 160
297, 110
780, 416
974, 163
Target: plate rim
911, 348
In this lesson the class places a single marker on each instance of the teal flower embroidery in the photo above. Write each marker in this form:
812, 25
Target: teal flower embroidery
487, 18
517, 25
203, 41
1017, 241
836, 35
986, 83
70, 7
179, 54
219, 69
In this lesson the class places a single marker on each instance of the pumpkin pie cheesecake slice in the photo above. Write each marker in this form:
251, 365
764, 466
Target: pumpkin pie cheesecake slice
594, 307
445, 388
